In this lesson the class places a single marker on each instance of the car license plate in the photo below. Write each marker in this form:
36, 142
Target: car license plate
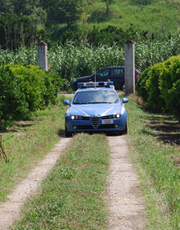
107, 121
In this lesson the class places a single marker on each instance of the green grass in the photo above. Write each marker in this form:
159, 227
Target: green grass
154, 18
160, 18
72, 196
155, 150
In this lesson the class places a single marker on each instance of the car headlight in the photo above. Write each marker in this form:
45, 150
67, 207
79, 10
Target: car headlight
117, 115
75, 117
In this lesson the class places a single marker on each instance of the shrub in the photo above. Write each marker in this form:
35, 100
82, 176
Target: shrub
24, 89
173, 102
169, 85
159, 86
154, 99
13, 105
31, 82
53, 84
40, 87
170, 74
141, 84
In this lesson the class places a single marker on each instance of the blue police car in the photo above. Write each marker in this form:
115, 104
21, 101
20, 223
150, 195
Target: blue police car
96, 107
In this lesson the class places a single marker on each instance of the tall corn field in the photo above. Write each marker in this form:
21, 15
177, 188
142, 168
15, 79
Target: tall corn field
70, 61
21, 56
149, 53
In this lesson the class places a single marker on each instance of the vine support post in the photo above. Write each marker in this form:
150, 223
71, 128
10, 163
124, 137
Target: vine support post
2, 150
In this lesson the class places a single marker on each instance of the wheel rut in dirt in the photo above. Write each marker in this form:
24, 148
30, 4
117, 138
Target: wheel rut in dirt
125, 202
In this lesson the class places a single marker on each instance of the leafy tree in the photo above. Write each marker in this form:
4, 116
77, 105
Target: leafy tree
6, 7
141, 2
37, 22
22, 22
45, 4
13, 105
108, 3
154, 99
64, 11
24, 7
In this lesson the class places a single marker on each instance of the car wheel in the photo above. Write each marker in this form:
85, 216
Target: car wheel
67, 133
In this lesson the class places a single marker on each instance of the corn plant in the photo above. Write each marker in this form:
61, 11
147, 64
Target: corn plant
149, 53
22, 56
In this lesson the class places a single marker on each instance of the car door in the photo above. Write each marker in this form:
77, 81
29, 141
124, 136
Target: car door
103, 74
117, 76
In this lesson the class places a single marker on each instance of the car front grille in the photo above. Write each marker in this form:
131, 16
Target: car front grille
95, 121
108, 117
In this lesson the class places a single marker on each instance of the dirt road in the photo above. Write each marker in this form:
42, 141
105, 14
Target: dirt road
125, 203
123, 198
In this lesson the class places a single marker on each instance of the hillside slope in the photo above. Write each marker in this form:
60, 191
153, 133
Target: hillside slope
146, 17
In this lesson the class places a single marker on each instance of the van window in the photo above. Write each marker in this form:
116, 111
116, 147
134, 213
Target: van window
117, 71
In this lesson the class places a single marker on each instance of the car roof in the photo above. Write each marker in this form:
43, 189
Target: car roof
96, 89
113, 67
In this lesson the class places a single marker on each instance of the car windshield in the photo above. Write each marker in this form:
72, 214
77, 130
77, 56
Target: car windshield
95, 97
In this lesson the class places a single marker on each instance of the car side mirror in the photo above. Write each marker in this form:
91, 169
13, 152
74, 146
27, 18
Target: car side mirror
125, 100
66, 102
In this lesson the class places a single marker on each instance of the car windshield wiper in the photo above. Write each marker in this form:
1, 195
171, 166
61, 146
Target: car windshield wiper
79, 103
102, 102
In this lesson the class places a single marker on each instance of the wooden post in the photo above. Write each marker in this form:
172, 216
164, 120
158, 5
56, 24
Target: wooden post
129, 68
3, 152
42, 55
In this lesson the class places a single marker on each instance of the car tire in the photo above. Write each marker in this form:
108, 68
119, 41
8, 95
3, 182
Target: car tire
117, 86
67, 133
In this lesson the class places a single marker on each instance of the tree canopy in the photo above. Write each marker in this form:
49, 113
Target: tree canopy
64, 11
23, 22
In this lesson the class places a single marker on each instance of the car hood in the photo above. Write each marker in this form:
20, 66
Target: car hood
95, 109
